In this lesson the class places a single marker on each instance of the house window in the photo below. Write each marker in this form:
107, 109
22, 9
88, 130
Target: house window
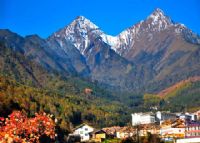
86, 134
81, 132
86, 129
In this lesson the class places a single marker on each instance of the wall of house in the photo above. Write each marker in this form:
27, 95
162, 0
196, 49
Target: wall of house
142, 119
172, 131
165, 116
192, 131
122, 135
101, 136
192, 140
84, 132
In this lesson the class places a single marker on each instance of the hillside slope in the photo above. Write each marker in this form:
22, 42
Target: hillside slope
182, 96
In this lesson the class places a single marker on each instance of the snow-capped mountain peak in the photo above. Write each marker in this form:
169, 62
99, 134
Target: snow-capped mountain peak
77, 32
159, 21
80, 31
149, 28
83, 23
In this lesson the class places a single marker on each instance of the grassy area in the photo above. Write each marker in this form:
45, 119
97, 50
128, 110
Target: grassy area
112, 141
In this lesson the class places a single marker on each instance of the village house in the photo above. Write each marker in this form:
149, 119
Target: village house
83, 131
149, 128
188, 140
192, 129
99, 135
197, 113
111, 131
192, 133
173, 129
125, 132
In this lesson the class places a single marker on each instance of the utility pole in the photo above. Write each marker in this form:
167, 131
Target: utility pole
138, 133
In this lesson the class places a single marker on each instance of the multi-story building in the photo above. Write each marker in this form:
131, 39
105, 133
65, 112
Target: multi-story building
149, 128
172, 129
143, 118
148, 118
125, 132
192, 133
162, 116
192, 129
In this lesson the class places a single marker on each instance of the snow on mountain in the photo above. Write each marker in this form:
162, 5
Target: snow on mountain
156, 22
78, 33
111, 40
80, 30
159, 20
81, 26
148, 28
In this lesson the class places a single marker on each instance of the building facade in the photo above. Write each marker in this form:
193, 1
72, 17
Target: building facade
192, 130
99, 136
168, 131
188, 140
142, 118
162, 116
173, 129
83, 131
125, 132
148, 118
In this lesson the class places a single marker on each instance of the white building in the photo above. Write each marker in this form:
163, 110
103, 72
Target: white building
142, 118
147, 118
197, 114
83, 130
162, 116
188, 140
172, 131
193, 116
188, 116
185, 117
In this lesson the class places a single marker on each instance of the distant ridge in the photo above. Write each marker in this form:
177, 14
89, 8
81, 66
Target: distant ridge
177, 86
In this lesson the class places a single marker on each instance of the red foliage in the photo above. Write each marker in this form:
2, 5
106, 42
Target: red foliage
18, 128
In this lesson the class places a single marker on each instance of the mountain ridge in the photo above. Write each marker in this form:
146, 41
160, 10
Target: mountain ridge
157, 18
143, 57
174, 87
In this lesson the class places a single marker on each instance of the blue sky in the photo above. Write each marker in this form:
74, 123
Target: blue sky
43, 17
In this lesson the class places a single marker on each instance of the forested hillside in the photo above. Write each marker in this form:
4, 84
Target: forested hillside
28, 87
182, 96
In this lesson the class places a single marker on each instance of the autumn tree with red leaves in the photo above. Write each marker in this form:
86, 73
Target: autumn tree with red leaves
18, 128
